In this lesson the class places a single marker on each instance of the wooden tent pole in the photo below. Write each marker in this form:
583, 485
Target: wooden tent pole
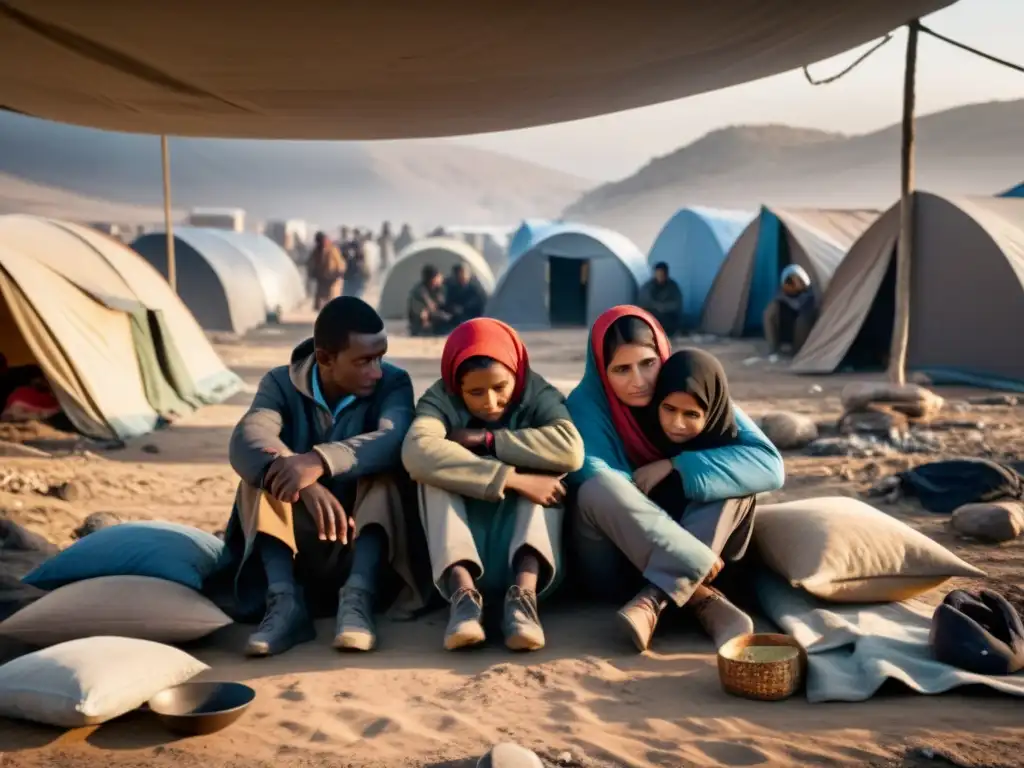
905, 244
165, 156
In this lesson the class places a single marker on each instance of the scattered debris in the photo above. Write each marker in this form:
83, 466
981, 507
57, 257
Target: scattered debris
993, 522
150, 448
913, 401
1004, 400
789, 431
23, 481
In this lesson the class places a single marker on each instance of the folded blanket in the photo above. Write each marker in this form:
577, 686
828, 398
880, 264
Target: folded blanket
852, 650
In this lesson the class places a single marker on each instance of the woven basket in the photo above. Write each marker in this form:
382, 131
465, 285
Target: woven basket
764, 681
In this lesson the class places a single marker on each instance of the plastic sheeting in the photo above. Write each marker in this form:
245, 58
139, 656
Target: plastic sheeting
230, 68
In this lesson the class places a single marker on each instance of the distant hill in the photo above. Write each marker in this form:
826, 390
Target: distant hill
18, 196
330, 183
975, 149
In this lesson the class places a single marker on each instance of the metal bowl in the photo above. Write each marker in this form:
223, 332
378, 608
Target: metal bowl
196, 709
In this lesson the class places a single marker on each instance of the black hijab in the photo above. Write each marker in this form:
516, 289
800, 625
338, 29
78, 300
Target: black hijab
700, 375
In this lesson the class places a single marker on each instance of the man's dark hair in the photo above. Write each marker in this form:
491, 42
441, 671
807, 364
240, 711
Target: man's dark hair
459, 267
429, 272
340, 318
662, 266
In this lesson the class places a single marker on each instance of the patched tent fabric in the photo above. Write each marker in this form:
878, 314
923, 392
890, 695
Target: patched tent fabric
525, 236
117, 361
967, 295
571, 274
694, 243
816, 239
216, 281
282, 284
211, 68
441, 252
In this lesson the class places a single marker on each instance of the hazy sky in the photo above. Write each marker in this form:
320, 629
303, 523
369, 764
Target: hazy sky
870, 97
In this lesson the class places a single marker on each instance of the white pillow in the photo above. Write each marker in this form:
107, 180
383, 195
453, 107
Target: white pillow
123, 606
90, 681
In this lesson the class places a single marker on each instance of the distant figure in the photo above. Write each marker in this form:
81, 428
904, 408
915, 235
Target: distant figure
662, 298
386, 243
325, 269
790, 316
464, 297
427, 316
357, 269
405, 239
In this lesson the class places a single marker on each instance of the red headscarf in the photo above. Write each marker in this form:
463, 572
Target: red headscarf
485, 337
638, 448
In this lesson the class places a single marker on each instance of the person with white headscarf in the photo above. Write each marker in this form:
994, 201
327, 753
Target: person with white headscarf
790, 316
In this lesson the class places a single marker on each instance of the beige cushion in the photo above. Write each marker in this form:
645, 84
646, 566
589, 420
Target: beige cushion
126, 606
90, 681
843, 550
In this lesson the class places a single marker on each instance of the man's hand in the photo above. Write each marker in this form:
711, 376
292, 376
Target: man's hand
289, 475
545, 490
472, 439
332, 522
648, 476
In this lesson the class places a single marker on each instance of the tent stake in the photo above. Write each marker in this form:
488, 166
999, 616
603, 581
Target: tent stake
905, 244
165, 156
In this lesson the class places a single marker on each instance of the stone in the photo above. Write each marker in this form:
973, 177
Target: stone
69, 491
509, 755
789, 431
992, 522
877, 421
96, 521
150, 448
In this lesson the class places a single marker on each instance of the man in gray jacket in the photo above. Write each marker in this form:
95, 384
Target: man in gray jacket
323, 503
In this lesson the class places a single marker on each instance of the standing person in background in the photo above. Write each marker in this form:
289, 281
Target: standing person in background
404, 240
357, 269
427, 316
464, 297
662, 298
790, 316
326, 269
386, 243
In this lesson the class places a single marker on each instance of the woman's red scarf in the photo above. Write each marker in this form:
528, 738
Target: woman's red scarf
638, 448
485, 337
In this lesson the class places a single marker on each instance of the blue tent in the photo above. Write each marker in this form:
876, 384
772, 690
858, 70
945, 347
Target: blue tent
525, 236
694, 243
1017, 191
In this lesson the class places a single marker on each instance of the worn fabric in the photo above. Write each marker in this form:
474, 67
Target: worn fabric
321, 567
665, 302
943, 486
674, 550
468, 531
794, 270
853, 650
749, 466
978, 631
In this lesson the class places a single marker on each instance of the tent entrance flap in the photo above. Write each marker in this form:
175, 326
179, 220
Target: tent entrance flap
770, 258
567, 291
870, 348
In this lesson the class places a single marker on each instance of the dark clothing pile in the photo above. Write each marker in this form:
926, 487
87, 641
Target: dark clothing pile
463, 301
980, 632
665, 302
943, 486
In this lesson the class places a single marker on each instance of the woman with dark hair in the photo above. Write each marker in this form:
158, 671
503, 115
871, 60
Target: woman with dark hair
671, 501
490, 446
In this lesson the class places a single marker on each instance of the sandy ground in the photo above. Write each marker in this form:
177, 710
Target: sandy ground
586, 700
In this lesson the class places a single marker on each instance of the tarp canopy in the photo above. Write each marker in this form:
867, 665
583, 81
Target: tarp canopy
441, 252
283, 288
217, 281
966, 303
694, 243
610, 271
231, 68
815, 238
119, 349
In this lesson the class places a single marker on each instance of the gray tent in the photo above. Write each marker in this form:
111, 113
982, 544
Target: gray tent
441, 252
283, 285
217, 281
967, 295
569, 276
119, 350
816, 239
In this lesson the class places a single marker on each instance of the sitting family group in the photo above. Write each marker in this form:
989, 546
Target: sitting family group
351, 493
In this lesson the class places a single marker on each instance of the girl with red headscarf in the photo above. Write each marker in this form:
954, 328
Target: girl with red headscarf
490, 446
672, 512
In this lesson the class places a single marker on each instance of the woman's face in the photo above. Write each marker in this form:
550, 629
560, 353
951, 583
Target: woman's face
632, 373
682, 418
487, 392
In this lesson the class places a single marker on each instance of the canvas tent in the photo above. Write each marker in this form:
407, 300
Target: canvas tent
282, 284
571, 274
694, 243
815, 238
217, 281
217, 68
120, 351
443, 253
967, 295
525, 236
